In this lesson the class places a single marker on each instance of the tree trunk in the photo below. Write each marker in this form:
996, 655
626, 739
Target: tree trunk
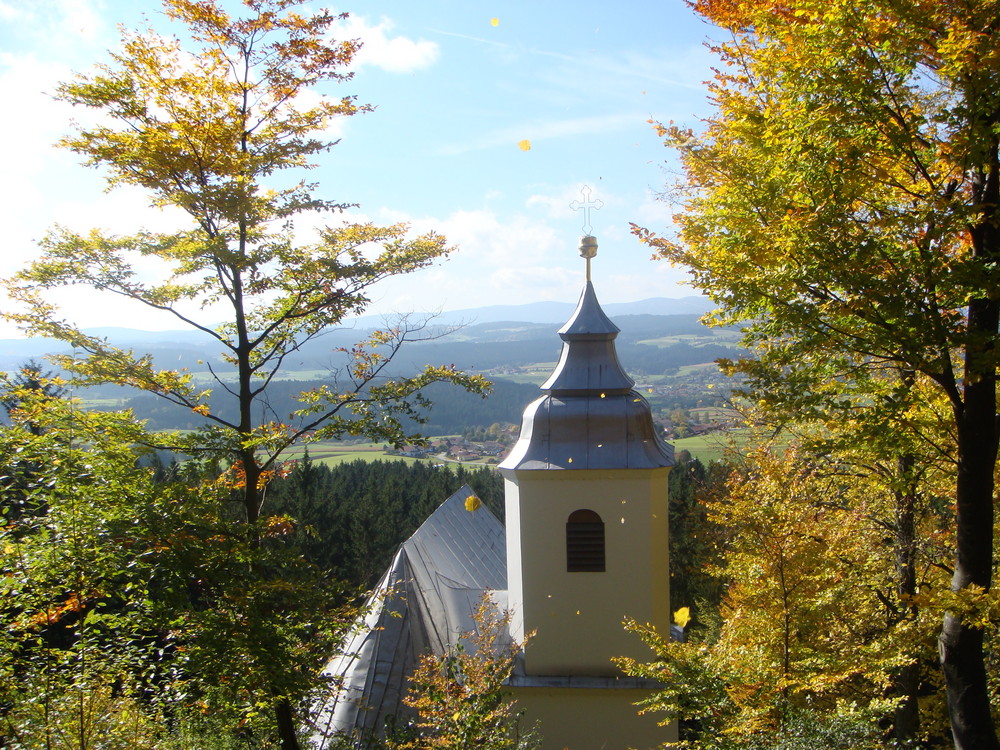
961, 646
906, 717
906, 681
286, 724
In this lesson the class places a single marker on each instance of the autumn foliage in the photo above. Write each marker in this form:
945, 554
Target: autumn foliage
842, 204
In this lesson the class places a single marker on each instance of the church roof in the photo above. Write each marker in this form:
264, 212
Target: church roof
422, 605
590, 416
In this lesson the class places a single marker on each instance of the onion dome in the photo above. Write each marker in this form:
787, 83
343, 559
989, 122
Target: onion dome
590, 416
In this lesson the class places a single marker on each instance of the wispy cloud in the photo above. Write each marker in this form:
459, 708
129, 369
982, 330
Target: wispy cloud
538, 132
469, 37
663, 69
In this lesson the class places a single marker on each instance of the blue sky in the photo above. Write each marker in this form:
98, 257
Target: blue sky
454, 96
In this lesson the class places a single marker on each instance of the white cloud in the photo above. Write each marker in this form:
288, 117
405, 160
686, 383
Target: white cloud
394, 54
62, 25
498, 260
309, 98
10, 12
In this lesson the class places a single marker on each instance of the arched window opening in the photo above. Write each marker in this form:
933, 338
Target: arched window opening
584, 542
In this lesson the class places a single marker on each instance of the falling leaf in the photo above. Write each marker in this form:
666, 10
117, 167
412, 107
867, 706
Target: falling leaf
524, 145
682, 617
473, 503
494, 22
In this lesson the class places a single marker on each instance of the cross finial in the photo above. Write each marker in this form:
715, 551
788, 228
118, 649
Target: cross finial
586, 205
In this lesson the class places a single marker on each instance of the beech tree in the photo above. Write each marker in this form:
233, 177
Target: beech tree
811, 629
209, 124
843, 203
459, 696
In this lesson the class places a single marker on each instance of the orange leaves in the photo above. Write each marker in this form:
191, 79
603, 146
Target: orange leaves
276, 526
742, 14
71, 605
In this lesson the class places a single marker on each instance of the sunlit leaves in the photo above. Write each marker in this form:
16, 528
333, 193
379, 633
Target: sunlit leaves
841, 203
460, 696
809, 619
827, 196
206, 123
682, 617
209, 121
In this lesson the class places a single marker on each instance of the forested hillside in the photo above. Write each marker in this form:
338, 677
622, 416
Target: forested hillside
453, 409
350, 518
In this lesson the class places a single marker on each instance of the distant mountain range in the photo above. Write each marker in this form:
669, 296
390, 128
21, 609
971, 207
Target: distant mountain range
658, 337
504, 327
559, 312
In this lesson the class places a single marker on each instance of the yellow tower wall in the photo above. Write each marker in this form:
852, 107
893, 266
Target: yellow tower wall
577, 617
590, 718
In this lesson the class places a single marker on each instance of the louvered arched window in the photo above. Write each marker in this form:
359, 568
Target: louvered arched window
584, 542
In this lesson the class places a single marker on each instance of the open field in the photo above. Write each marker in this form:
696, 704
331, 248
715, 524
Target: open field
683, 370
707, 448
706, 414
725, 338
332, 453
716, 446
536, 374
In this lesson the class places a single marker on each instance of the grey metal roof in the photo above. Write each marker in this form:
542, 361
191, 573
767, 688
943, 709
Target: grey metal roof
422, 605
590, 416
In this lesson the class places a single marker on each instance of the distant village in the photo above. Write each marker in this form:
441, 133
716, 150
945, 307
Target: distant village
490, 445
478, 445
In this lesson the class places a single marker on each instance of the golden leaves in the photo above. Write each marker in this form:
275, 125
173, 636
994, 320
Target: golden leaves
682, 617
473, 503
524, 145
276, 526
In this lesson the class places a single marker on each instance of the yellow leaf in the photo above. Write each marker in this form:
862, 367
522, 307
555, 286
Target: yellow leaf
473, 503
524, 145
682, 617
494, 22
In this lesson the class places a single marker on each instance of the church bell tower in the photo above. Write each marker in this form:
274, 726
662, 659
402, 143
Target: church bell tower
586, 518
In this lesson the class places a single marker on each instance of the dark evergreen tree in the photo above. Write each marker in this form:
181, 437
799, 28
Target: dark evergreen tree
350, 518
